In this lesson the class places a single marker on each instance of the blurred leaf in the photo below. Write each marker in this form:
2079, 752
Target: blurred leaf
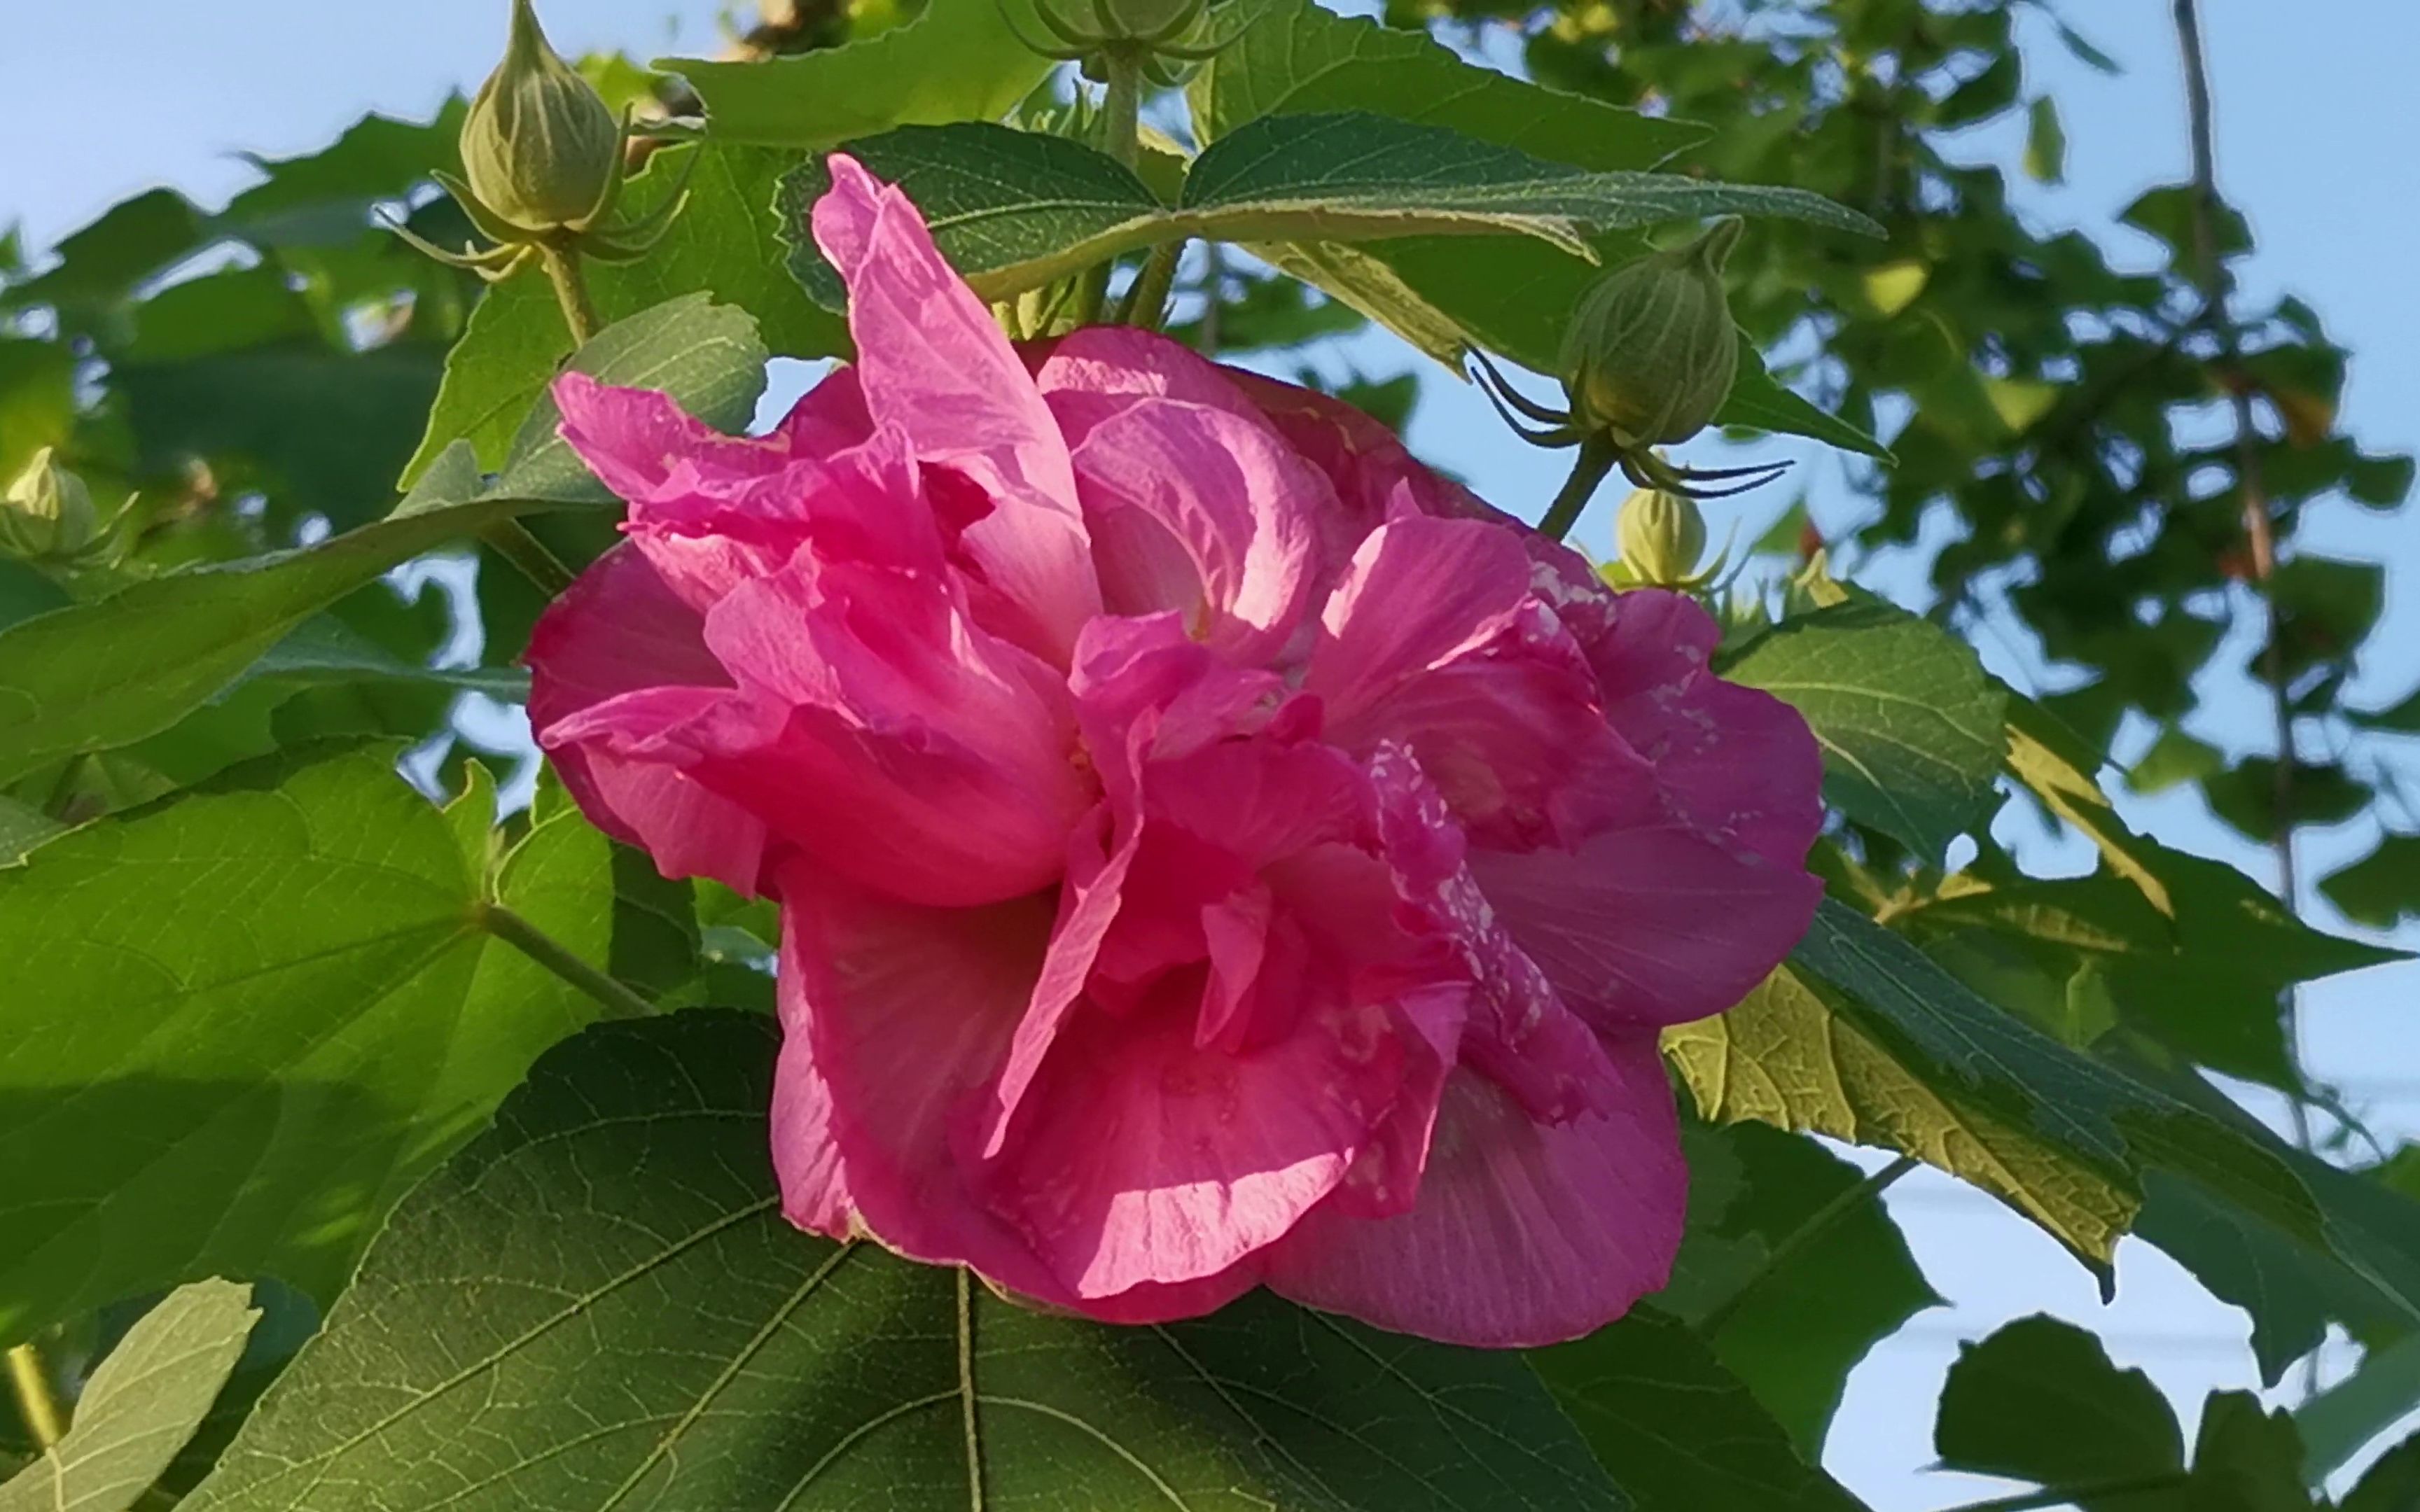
141, 1406
2342, 1418
2085, 53
2381, 888
320, 431
2167, 213
960, 60
1894, 287
107, 673
1679, 1432
1985, 95
669, 1332
1910, 725
23, 828
36, 400
318, 1020
323, 198
2045, 143
220, 313
104, 262
2175, 759
2390, 1484
2320, 793
2038, 1401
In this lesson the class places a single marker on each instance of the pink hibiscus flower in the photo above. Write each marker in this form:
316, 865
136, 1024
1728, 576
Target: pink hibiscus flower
1213, 849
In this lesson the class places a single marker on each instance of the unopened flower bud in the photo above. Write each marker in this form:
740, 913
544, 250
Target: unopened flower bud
539, 146
48, 514
1122, 20
1660, 535
1652, 349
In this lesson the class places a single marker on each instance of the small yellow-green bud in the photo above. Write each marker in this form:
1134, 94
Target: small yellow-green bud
1660, 535
48, 514
540, 148
1652, 350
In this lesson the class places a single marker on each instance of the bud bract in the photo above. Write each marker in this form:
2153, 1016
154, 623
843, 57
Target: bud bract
540, 148
48, 514
1652, 350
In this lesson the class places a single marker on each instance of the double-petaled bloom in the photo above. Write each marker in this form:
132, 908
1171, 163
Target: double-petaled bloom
1213, 849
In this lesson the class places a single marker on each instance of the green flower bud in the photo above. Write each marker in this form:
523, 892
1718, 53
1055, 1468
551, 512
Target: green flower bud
1122, 20
48, 514
1652, 350
1661, 535
539, 146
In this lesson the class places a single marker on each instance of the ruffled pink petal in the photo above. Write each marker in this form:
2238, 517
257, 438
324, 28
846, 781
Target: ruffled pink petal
932, 362
806, 1156
1650, 925
904, 1013
1524, 1233
880, 732
1432, 637
1734, 762
1194, 503
1517, 1030
620, 630
1150, 1159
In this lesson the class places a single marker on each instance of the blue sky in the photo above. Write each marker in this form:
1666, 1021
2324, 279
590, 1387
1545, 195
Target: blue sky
2316, 121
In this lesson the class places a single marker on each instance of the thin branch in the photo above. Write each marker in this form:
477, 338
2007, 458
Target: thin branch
2258, 531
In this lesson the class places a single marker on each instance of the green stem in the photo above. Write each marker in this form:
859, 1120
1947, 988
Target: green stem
1122, 105
530, 556
570, 290
620, 1002
1147, 302
1121, 138
2106, 1490
1595, 460
1816, 1226
38, 1403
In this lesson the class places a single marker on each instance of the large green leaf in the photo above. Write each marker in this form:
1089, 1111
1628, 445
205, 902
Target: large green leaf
1789, 1315
2040, 1401
1863, 1037
723, 245
1015, 210
652, 1333
100, 675
1911, 727
1678, 1431
141, 1406
1796, 1055
960, 60
241, 1082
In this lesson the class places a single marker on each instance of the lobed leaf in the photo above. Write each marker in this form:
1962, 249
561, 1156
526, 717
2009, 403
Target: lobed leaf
653, 1333
242, 1083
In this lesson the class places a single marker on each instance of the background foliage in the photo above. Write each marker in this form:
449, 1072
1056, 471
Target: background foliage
302, 428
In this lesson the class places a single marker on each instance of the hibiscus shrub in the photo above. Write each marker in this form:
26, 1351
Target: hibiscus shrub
1087, 931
